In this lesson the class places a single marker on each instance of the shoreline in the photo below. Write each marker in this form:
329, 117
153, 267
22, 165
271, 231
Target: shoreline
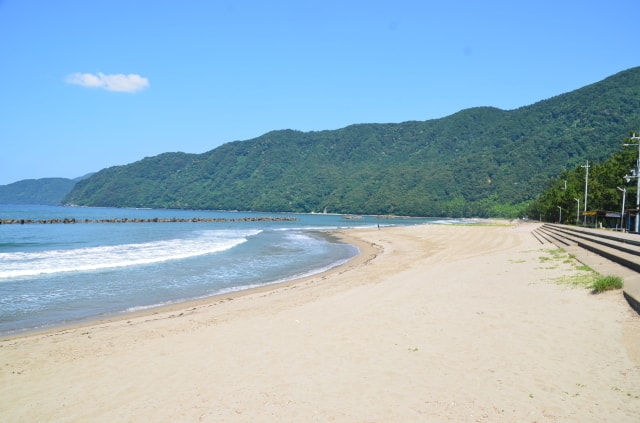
431, 323
366, 252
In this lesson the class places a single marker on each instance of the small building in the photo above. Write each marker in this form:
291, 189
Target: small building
602, 219
630, 216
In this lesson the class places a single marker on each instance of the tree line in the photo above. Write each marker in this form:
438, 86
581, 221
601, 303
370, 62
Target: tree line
480, 162
603, 184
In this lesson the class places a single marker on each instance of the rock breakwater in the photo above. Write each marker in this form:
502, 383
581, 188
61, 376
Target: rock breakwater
72, 220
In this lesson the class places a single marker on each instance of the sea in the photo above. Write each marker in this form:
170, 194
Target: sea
54, 274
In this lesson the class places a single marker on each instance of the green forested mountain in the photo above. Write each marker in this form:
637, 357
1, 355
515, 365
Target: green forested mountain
45, 191
478, 162
603, 194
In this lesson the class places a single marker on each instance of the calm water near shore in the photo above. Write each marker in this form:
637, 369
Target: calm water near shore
54, 274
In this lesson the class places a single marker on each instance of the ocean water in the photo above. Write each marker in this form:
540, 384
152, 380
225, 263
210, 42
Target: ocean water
55, 274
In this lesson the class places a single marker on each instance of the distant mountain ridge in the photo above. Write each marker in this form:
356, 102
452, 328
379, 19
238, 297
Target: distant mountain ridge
478, 162
44, 191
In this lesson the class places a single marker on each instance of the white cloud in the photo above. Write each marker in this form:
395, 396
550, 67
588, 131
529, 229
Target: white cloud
116, 82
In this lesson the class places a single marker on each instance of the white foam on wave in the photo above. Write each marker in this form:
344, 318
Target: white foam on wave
288, 279
244, 287
14, 265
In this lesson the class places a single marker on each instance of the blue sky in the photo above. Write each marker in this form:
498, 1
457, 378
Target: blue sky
87, 85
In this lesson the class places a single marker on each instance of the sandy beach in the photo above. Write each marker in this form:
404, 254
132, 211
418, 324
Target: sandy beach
431, 323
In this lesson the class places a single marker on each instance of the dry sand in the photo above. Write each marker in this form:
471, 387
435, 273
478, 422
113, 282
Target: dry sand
428, 324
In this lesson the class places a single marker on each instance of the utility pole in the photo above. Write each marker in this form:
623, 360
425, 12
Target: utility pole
578, 211
560, 219
586, 190
624, 196
635, 173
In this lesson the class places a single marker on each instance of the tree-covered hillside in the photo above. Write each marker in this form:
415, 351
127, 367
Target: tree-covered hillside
568, 189
478, 162
45, 191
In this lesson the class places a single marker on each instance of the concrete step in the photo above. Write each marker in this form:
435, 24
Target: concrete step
607, 254
620, 252
620, 242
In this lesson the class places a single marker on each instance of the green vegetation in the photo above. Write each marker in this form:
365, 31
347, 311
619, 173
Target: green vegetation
481, 162
46, 191
606, 283
585, 276
604, 178
581, 276
584, 280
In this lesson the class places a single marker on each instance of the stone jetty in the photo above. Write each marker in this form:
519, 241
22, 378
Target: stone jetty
71, 220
